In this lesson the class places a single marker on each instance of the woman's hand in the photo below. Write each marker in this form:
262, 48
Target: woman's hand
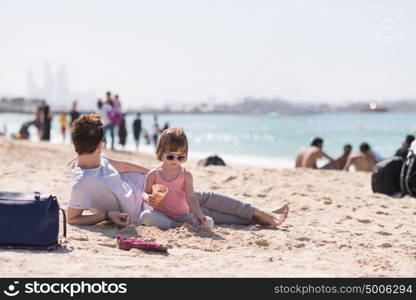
120, 219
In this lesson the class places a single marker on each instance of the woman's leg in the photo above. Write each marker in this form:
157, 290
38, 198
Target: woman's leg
155, 218
221, 218
224, 209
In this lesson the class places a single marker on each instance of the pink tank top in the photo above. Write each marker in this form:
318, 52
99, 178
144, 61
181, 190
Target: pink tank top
174, 205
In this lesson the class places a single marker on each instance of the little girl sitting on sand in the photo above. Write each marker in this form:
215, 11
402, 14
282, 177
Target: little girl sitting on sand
179, 204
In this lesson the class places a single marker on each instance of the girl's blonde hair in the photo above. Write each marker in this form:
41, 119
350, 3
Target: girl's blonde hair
172, 140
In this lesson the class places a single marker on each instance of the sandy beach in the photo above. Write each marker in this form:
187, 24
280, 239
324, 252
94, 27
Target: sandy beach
336, 227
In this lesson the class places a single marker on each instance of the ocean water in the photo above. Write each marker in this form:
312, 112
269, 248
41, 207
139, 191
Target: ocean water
267, 141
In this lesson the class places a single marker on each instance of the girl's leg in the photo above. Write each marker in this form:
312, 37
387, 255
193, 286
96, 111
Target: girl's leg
155, 218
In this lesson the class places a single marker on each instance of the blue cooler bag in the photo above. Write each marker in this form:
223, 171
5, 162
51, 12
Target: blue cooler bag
29, 221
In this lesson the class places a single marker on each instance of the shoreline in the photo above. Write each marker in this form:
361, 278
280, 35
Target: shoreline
336, 226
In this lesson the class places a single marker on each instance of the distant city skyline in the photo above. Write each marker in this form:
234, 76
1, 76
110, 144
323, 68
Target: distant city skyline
55, 88
164, 52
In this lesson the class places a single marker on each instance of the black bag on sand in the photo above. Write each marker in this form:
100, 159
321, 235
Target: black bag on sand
408, 175
213, 160
386, 176
29, 221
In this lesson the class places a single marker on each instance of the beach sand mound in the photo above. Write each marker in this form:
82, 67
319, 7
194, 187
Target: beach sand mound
336, 225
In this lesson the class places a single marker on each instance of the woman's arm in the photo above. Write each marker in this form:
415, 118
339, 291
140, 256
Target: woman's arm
191, 199
125, 167
75, 217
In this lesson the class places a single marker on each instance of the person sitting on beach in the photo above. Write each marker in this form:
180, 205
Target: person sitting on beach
363, 160
307, 156
112, 189
402, 152
341, 161
179, 205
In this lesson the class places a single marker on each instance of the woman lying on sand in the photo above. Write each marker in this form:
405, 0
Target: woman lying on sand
112, 189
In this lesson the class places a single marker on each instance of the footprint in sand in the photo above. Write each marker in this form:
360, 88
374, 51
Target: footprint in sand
328, 242
386, 245
301, 245
382, 213
328, 202
83, 239
107, 245
262, 242
230, 178
303, 239
383, 233
365, 221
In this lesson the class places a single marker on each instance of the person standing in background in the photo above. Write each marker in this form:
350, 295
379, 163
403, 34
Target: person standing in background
102, 113
107, 108
122, 132
155, 130
46, 121
146, 136
117, 104
63, 122
166, 126
4, 132
137, 128
74, 114
39, 119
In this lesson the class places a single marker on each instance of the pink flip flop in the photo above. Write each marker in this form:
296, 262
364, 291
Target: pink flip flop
127, 244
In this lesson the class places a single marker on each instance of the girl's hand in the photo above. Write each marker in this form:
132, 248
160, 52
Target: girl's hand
149, 199
200, 217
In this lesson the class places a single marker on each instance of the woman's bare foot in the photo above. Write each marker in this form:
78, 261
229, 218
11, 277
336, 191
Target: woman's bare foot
281, 210
266, 219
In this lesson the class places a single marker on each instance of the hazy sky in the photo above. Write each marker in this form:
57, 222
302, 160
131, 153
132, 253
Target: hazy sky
154, 52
